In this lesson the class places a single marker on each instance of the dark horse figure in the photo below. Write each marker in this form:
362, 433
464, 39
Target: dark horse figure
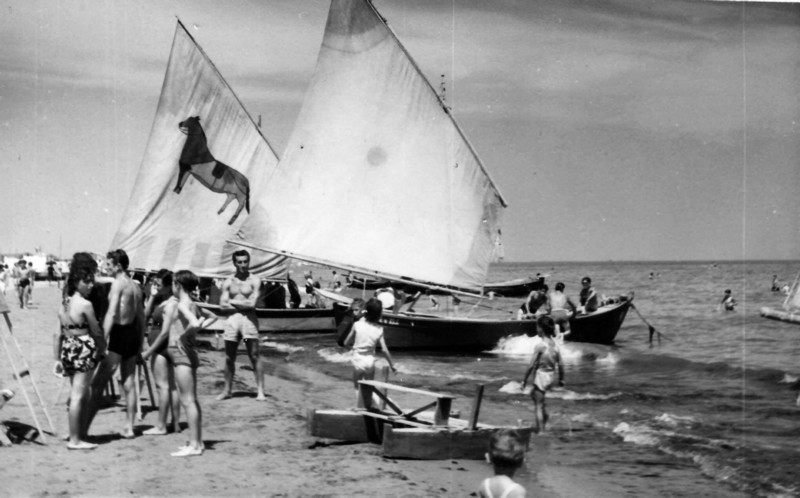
196, 160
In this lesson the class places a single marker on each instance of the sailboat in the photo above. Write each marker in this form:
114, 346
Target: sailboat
204, 163
791, 306
380, 180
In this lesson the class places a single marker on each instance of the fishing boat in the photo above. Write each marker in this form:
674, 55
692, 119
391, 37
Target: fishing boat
519, 287
425, 210
600, 326
791, 307
204, 161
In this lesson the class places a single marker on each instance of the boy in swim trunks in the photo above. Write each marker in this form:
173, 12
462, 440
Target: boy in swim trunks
124, 327
557, 303
240, 292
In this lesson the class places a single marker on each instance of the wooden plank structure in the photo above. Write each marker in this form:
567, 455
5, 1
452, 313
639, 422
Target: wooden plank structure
425, 433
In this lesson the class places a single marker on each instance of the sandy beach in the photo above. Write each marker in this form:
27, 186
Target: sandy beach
252, 447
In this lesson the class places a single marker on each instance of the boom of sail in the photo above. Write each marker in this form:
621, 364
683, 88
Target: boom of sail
377, 175
205, 162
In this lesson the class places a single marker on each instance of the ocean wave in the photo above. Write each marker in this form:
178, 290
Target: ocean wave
514, 387
282, 347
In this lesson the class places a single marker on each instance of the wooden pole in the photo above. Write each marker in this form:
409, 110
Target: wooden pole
30, 374
21, 385
476, 407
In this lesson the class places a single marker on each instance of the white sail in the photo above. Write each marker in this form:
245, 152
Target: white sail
792, 302
377, 175
225, 160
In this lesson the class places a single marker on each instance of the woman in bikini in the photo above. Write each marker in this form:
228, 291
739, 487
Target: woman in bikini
78, 347
163, 373
546, 360
182, 318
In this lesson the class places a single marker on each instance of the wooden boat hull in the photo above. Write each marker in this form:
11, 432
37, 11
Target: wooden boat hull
284, 320
600, 327
780, 315
512, 288
430, 332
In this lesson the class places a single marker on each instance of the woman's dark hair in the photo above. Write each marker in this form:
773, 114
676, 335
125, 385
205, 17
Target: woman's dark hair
546, 325
187, 280
82, 267
560, 286
374, 310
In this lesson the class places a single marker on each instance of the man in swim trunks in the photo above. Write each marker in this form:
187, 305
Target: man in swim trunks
557, 303
22, 281
124, 328
240, 292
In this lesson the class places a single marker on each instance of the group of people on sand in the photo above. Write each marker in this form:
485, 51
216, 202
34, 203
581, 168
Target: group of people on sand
94, 340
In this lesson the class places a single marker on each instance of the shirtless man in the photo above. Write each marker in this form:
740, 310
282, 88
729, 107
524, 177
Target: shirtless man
22, 282
31, 274
124, 328
557, 303
240, 292
531, 306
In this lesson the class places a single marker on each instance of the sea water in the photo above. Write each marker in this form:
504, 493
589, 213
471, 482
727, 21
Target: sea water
715, 397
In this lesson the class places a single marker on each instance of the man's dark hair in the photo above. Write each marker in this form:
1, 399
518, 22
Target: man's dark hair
240, 253
560, 286
120, 257
373, 310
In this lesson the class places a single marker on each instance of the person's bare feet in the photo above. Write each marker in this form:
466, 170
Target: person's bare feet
223, 396
154, 431
127, 433
261, 397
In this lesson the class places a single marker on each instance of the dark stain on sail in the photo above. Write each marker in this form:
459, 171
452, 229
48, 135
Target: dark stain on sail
376, 156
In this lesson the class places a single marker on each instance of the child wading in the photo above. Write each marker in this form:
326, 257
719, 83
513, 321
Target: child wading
365, 335
546, 359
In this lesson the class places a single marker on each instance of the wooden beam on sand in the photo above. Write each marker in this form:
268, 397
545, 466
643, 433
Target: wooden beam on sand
432, 444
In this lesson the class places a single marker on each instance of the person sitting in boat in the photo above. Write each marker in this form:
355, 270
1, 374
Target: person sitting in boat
589, 300
728, 303
506, 454
386, 296
557, 303
531, 306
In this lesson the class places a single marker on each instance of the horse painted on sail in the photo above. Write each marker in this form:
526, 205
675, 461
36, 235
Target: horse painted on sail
196, 160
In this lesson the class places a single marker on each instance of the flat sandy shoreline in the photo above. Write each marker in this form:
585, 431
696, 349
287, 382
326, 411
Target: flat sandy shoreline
263, 448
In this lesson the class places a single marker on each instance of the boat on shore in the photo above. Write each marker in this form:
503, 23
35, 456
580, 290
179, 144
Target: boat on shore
519, 287
285, 320
409, 330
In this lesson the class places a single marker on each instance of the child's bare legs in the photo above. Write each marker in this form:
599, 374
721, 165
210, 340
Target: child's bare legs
540, 409
78, 400
162, 373
358, 375
186, 378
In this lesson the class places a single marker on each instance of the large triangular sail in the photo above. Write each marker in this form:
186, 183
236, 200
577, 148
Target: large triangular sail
377, 175
205, 164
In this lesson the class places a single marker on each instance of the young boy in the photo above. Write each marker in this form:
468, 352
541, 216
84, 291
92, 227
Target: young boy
506, 454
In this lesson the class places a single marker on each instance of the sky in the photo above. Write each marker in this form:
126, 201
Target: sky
617, 130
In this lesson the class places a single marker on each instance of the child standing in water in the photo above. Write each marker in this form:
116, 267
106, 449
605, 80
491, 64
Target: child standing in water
546, 360
365, 335
183, 319
506, 454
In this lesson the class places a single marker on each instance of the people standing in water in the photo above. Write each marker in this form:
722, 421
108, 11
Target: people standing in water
545, 363
506, 454
182, 320
365, 336
588, 296
157, 338
728, 303
557, 303
78, 346
240, 293
124, 327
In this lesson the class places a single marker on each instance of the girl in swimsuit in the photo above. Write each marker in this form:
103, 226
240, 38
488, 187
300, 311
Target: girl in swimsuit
164, 374
546, 360
182, 318
78, 347
365, 336
506, 454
